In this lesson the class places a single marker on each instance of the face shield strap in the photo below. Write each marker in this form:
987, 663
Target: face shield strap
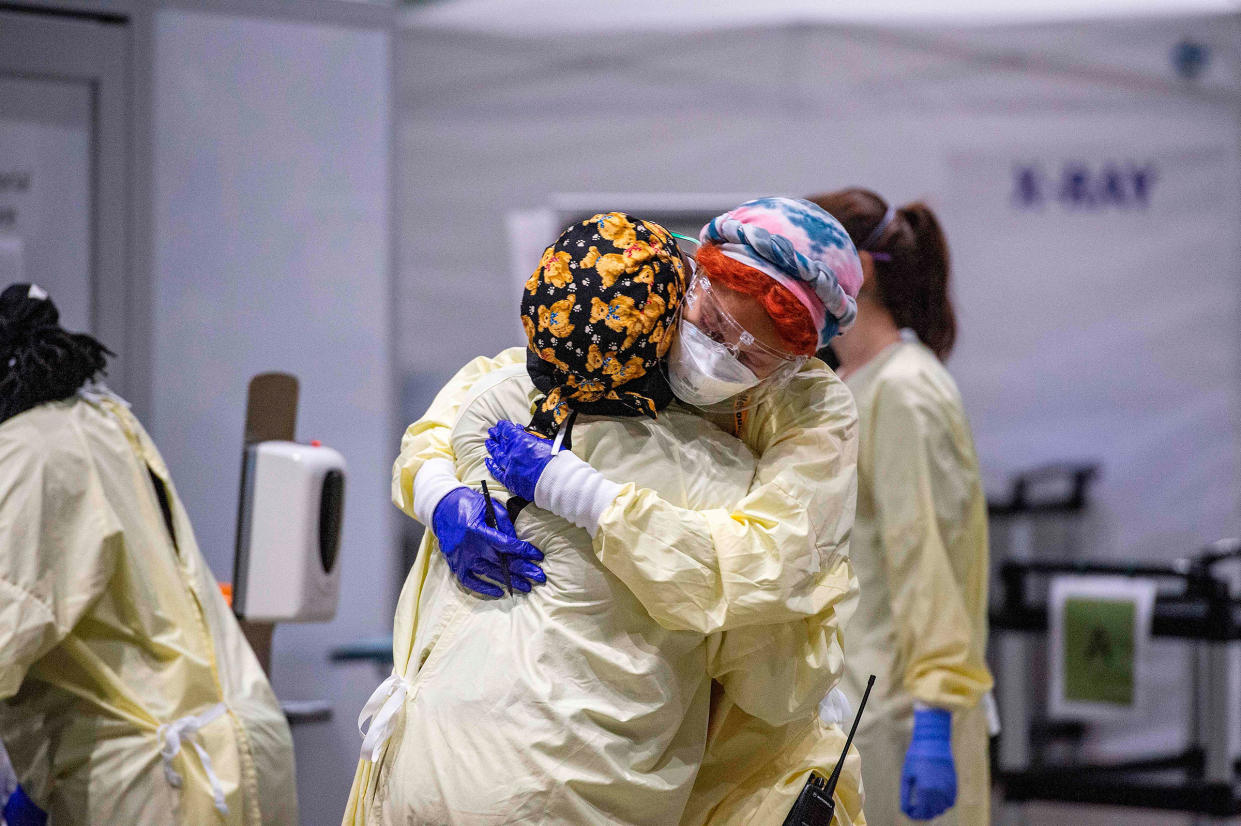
564, 436
879, 230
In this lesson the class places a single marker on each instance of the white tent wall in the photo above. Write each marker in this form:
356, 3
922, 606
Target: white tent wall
271, 248
1101, 326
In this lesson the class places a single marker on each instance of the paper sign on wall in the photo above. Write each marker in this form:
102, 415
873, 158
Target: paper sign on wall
1100, 634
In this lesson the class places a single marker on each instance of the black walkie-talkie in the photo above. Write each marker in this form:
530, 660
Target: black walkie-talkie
815, 805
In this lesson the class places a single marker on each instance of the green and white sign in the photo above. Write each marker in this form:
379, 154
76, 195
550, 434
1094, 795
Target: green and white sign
1100, 627
1098, 650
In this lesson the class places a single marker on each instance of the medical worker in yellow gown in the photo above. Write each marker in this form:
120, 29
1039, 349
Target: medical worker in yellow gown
571, 703
778, 555
127, 692
920, 539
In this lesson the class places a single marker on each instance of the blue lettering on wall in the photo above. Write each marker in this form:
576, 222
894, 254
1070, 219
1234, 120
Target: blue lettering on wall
1083, 185
1030, 184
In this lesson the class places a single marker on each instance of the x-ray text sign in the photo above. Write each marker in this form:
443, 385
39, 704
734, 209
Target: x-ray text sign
1089, 184
1083, 185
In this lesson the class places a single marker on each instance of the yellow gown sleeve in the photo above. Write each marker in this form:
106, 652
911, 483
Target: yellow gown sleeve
926, 491
779, 555
59, 542
779, 673
430, 436
752, 772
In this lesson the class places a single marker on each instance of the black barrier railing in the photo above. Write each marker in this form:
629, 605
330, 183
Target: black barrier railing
1193, 605
1062, 487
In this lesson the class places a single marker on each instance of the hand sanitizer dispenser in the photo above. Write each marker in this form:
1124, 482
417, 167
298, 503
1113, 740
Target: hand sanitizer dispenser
293, 498
286, 567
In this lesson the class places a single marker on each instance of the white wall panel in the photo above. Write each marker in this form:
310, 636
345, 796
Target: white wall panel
272, 249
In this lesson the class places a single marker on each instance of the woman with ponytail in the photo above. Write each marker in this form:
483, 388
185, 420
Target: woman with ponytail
127, 692
920, 537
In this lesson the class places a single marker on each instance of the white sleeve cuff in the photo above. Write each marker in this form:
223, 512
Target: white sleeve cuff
572, 489
432, 483
834, 708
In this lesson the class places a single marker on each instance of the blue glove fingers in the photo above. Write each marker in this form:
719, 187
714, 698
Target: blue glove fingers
503, 576
496, 442
916, 810
505, 429
497, 542
528, 570
928, 786
493, 571
935, 804
521, 457
498, 438
907, 792
944, 798
926, 804
478, 549
505, 537
496, 470
494, 449
475, 584
504, 556
521, 549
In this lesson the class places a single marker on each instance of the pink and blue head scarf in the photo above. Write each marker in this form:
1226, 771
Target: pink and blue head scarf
803, 248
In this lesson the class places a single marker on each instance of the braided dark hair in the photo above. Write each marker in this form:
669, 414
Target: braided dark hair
40, 361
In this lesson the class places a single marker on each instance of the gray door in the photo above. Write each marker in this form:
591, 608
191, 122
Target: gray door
64, 179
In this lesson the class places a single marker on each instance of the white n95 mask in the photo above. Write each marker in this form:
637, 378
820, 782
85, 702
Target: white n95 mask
702, 371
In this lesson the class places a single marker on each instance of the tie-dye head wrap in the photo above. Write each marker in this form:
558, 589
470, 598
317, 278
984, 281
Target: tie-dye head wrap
598, 314
801, 246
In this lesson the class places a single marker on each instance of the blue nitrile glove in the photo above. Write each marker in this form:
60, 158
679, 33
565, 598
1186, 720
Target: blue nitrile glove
21, 811
929, 779
517, 458
473, 549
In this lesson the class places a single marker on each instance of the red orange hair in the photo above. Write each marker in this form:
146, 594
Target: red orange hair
792, 320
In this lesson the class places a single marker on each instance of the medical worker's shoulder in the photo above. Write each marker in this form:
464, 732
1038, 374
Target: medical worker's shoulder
504, 393
446, 405
42, 437
916, 382
502, 360
483, 365
816, 396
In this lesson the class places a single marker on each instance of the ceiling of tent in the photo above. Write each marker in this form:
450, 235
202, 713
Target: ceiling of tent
548, 17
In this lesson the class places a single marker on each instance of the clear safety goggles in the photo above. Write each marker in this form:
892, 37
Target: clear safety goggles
687, 255
702, 306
